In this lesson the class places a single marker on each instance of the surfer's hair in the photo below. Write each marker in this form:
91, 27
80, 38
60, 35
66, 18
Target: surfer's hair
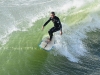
53, 13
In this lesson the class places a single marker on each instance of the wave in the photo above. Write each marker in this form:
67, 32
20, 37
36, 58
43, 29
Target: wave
70, 43
75, 52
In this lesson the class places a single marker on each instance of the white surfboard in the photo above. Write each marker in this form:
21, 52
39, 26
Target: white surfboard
45, 44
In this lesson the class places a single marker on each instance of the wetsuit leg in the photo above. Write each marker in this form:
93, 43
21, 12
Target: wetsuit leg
51, 31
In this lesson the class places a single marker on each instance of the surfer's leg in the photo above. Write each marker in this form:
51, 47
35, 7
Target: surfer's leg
51, 32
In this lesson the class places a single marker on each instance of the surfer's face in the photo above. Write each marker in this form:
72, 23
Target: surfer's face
52, 15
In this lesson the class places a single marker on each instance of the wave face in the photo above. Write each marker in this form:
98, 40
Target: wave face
76, 52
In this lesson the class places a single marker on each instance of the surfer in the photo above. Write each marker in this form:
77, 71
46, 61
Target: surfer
57, 25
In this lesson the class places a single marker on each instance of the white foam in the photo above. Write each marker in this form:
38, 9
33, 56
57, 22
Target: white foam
4, 38
69, 44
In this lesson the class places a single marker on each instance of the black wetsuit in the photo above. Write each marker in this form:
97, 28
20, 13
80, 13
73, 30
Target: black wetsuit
57, 26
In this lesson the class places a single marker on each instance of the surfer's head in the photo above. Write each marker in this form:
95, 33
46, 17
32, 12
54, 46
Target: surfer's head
52, 14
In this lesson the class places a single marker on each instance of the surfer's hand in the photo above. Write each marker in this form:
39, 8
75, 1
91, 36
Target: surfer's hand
42, 27
61, 33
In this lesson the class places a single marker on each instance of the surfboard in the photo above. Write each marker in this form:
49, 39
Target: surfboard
47, 45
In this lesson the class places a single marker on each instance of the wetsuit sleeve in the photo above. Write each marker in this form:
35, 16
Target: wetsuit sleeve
47, 22
60, 25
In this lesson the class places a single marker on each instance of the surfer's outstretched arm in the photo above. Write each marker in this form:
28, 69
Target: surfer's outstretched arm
60, 26
46, 23
61, 29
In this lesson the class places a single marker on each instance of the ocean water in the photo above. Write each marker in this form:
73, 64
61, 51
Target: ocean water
76, 52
